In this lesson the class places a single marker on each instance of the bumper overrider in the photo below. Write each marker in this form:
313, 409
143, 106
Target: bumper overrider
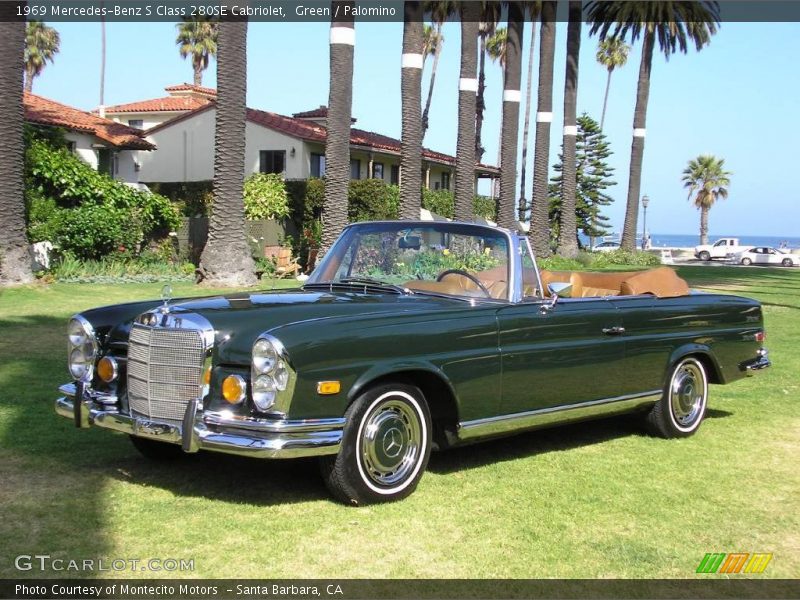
760, 362
216, 431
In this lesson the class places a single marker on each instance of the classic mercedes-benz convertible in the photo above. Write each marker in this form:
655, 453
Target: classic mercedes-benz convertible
408, 336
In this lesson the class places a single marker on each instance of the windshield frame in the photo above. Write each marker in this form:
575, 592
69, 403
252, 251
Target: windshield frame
325, 269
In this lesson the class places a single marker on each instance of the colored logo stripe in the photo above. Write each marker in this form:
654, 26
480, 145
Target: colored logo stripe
711, 562
757, 563
736, 562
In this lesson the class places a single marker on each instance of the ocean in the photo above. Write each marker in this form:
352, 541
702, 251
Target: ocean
672, 240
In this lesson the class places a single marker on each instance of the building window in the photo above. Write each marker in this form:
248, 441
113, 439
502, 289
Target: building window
136, 123
317, 165
377, 170
445, 181
355, 168
272, 161
395, 175
71, 146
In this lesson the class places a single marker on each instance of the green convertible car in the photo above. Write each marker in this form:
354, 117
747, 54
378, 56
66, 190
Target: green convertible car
408, 336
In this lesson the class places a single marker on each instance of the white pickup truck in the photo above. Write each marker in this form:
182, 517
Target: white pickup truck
722, 248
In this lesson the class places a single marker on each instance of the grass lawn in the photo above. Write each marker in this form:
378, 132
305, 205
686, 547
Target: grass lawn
592, 500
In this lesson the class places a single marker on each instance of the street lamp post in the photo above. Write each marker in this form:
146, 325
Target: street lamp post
645, 202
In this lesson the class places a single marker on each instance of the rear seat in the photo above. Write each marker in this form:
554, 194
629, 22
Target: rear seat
662, 282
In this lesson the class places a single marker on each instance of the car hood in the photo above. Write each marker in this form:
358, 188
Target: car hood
238, 319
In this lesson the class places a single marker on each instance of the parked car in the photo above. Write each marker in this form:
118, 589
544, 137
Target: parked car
407, 337
765, 255
607, 247
722, 248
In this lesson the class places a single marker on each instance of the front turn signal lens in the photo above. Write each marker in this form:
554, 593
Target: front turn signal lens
234, 389
328, 388
107, 369
207, 376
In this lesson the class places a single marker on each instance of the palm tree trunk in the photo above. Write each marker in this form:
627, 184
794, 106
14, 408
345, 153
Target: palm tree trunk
29, 76
567, 237
411, 86
435, 66
198, 75
102, 105
628, 241
506, 215
226, 259
704, 224
15, 258
539, 229
467, 87
340, 105
480, 101
605, 99
523, 202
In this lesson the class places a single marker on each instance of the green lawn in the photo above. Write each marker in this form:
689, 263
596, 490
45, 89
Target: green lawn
592, 500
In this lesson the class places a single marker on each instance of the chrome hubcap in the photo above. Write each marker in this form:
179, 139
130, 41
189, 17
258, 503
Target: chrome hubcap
390, 443
687, 394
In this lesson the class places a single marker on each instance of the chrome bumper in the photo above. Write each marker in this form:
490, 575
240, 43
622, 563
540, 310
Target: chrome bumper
751, 367
216, 431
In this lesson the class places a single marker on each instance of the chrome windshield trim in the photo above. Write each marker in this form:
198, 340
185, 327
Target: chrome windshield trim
505, 424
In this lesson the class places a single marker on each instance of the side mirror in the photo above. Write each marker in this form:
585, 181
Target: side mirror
557, 290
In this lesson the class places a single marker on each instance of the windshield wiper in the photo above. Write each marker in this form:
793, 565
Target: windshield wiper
376, 282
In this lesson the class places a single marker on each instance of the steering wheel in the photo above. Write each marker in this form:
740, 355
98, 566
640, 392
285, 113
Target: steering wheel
469, 276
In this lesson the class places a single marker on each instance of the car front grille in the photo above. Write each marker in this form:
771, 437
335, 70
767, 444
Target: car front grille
165, 370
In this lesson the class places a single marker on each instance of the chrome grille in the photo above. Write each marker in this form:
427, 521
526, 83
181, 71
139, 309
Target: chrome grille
165, 370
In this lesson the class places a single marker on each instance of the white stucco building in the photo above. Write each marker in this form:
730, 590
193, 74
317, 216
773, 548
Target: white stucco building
107, 146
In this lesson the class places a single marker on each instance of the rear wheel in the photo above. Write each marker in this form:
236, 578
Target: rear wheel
786, 262
704, 255
747, 262
160, 451
385, 447
681, 409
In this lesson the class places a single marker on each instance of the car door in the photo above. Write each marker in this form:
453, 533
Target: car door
568, 354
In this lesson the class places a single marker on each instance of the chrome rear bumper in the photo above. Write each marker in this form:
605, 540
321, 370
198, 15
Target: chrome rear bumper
216, 431
751, 367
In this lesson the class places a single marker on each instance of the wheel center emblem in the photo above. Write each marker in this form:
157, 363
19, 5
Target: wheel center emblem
392, 443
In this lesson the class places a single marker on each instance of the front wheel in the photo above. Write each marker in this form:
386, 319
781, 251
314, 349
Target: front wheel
787, 262
385, 446
681, 409
747, 262
704, 255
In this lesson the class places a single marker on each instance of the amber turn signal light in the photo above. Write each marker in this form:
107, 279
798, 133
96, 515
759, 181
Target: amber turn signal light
234, 388
207, 376
107, 369
327, 388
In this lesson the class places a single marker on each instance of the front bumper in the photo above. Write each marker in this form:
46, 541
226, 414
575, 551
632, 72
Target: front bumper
216, 431
751, 367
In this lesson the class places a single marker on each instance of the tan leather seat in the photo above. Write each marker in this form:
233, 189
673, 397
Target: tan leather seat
662, 282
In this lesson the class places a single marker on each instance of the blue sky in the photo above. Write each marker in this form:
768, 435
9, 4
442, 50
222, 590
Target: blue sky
737, 99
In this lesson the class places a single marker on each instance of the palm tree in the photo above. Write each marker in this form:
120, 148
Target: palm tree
539, 233
340, 105
197, 38
706, 177
612, 53
226, 258
468, 86
670, 24
433, 41
534, 8
490, 15
506, 216
567, 242
496, 45
41, 45
411, 85
15, 262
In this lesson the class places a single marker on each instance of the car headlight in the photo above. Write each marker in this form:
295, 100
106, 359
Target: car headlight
81, 348
269, 372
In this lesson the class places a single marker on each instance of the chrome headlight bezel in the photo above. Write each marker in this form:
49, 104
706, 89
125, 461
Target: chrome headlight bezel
271, 375
82, 349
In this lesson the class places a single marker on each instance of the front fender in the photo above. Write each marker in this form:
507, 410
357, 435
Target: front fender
397, 368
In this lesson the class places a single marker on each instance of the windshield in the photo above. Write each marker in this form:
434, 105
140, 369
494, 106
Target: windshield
439, 258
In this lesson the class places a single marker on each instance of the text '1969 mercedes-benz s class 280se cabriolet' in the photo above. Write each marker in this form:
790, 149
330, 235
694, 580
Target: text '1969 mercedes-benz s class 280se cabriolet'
408, 336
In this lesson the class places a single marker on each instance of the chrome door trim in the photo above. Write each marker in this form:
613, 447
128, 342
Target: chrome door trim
506, 424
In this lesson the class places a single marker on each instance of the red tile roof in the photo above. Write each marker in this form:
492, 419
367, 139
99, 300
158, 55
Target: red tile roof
44, 111
314, 132
190, 87
315, 113
167, 104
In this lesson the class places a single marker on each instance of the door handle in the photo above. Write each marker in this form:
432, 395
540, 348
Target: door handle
613, 330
